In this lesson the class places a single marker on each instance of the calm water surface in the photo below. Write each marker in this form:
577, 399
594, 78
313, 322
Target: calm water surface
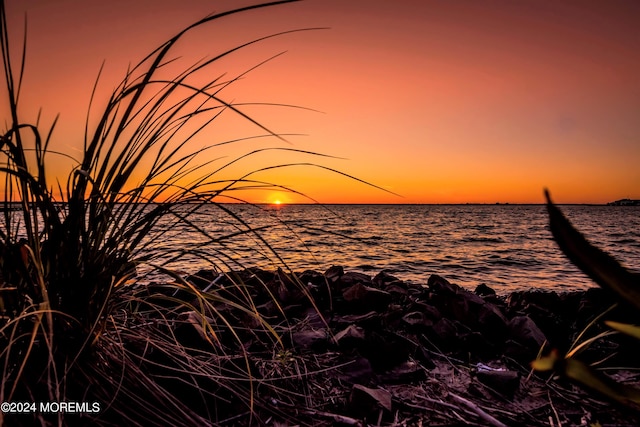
508, 247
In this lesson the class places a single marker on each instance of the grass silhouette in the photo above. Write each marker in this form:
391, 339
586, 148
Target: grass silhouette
75, 323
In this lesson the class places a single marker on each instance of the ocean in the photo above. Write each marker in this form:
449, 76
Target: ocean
507, 247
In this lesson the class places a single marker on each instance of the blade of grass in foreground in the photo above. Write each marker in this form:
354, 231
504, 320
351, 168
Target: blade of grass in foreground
601, 267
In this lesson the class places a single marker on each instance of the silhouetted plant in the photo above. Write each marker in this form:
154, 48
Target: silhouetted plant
607, 272
73, 323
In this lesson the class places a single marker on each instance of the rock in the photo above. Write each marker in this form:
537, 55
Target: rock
312, 277
334, 273
525, 331
397, 291
352, 278
430, 312
383, 280
417, 321
392, 317
317, 286
363, 297
357, 372
484, 290
310, 339
384, 349
451, 335
501, 381
446, 331
350, 336
404, 373
477, 314
517, 351
441, 285
369, 319
202, 278
365, 400
285, 288
192, 330
468, 308
314, 319
477, 344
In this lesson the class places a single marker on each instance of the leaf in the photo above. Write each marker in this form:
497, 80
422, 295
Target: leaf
583, 373
545, 363
602, 268
625, 328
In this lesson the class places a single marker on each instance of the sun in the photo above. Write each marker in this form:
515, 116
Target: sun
277, 199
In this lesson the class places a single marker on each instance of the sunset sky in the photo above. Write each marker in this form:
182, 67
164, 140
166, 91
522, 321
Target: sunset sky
437, 101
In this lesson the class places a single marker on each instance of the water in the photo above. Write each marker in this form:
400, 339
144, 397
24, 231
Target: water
508, 247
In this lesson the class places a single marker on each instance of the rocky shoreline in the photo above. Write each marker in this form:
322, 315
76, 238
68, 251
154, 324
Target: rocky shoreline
379, 351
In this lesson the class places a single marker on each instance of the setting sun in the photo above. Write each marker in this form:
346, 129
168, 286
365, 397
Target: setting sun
278, 198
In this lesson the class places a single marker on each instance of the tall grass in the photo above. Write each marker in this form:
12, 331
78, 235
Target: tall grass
74, 325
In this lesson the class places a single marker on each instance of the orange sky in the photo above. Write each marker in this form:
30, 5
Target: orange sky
440, 102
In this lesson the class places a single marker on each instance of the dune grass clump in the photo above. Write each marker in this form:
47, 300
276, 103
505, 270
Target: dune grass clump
75, 323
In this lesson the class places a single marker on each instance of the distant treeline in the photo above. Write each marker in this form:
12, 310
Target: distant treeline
624, 202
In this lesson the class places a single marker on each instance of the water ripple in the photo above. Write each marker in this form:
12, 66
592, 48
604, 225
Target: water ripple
508, 247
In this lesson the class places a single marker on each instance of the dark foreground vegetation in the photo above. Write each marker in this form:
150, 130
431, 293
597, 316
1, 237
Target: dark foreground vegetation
364, 351
236, 346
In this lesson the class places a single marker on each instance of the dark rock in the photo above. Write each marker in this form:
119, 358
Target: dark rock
430, 312
477, 314
477, 344
468, 308
365, 400
253, 277
384, 349
449, 331
501, 381
202, 278
192, 332
418, 291
404, 373
491, 322
334, 273
317, 286
350, 336
312, 277
417, 321
363, 297
370, 319
269, 308
383, 280
310, 339
422, 354
397, 291
557, 315
314, 319
484, 290
392, 317
525, 331
517, 351
441, 285
353, 278
357, 372
285, 288
525, 302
